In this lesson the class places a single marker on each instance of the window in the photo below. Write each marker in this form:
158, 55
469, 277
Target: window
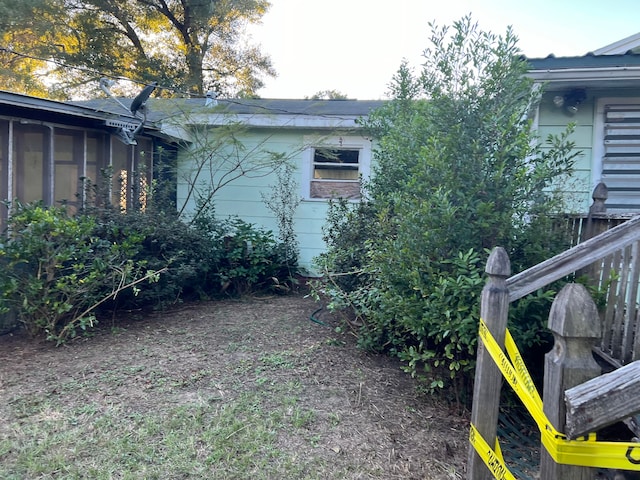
617, 150
335, 167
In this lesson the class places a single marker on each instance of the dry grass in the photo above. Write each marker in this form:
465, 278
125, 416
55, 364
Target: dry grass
233, 389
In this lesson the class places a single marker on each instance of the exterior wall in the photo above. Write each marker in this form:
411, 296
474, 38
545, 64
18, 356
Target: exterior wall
553, 121
243, 196
588, 137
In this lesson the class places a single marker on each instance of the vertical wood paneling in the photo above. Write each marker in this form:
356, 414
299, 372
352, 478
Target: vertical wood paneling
631, 305
622, 266
617, 278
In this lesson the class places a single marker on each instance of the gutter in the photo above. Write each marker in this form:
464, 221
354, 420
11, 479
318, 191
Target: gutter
585, 74
177, 126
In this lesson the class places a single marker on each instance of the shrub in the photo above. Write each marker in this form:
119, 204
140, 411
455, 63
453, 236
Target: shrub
61, 271
206, 259
250, 259
162, 241
57, 271
457, 172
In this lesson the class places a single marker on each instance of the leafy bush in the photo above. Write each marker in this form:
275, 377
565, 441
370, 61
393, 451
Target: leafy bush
206, 259
61, 271
57, 271
251, 259
162, 241
457, 173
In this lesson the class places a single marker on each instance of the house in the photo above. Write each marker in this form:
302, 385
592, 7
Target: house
226, 150
239, 144
53, 151
600, 93
229, 152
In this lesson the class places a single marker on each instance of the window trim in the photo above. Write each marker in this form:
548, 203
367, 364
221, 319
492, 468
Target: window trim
335, 142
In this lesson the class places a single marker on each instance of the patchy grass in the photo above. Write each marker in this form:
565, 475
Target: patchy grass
228, 390
205, 438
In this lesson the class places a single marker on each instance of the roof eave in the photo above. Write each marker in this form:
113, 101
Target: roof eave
588, 77
283, 120
61, 108
176, 127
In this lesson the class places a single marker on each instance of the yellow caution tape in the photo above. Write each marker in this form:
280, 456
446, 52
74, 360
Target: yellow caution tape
586, 451
491, 458
521, 369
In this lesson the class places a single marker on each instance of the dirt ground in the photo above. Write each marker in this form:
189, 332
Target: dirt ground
367, 413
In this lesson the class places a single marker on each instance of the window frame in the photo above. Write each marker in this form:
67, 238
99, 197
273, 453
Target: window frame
334, 142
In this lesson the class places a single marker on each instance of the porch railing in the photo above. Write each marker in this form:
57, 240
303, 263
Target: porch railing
606, 250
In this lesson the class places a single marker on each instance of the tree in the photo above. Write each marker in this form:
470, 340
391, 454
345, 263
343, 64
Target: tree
328, 95
458, 170
188, 45
21, 69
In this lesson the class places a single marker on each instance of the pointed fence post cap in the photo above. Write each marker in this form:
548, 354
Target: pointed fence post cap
599, 196
574, 313
601, 192
498, 263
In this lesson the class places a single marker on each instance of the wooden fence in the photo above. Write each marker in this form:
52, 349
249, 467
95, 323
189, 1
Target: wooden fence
616, 278
606, 250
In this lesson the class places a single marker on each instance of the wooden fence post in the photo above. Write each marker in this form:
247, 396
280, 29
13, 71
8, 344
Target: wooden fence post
494, 310
591, 229
599, 196
575, 324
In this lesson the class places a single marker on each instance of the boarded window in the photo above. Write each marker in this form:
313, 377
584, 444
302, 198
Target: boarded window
621, 162
336, 173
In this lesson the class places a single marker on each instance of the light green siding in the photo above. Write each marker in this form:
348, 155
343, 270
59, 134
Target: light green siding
588, 137
243, 197
554, 121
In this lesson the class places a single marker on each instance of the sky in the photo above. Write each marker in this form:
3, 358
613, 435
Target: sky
356, 46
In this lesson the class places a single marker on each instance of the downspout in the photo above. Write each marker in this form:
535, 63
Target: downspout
51, 164
9, 177
83, 172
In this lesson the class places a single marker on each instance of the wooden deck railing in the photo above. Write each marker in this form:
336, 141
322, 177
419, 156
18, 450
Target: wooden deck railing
607, 251
616, 276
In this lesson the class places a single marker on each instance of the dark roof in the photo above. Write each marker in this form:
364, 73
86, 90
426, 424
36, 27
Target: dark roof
46, 110
98, 112
589, 60
160, 107
300, 107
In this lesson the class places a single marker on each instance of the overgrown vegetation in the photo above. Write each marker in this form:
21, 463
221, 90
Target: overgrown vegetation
282, 201
61, 272
458, 171
56, 271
